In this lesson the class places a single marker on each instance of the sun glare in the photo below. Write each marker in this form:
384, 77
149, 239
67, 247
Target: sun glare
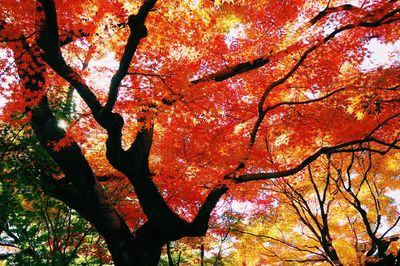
381, 54
62, 124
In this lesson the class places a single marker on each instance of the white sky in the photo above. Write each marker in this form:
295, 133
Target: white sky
382, 55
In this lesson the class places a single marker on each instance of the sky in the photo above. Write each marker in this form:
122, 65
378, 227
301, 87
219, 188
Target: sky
381, 54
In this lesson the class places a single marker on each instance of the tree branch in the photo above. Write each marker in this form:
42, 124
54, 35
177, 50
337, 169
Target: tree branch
233, 70
330, 10
269, 108
304, 163
390, 228
199, 226
50, 43
81, 190
244, 67
138, 31
290, 245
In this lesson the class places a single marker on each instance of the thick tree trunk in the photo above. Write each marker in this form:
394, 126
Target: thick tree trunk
379, 255
136, 254
79, 188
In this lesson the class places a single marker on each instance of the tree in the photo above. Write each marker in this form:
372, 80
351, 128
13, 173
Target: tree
365, 189
180, 101
339, 211
37, 229
313, 212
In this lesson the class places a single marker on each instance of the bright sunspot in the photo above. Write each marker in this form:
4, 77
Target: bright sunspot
62, 124
382, 55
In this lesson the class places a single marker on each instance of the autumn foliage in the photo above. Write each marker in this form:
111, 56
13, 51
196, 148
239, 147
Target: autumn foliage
154, 110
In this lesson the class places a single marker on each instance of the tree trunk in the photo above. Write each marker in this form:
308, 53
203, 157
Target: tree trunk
170, 260
138, 255
332, 254
79, 188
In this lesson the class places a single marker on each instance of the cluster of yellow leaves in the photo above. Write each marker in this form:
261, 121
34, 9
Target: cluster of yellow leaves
281, 235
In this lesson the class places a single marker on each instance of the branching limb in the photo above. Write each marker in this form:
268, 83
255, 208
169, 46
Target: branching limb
138, 31
261, 61
296, 169
199, 225
49, 41
314, 156
80, 190
262, 111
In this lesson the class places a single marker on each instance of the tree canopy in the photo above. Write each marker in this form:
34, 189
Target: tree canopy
149, 115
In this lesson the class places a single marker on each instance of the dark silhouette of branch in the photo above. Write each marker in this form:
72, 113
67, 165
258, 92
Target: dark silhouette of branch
330, 10
233, 71
138, 31
244, 67
324, 150
49, 41
199, 225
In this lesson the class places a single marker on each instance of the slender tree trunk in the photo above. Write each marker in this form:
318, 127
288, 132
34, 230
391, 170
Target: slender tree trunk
202, 255
332, 254
170, 260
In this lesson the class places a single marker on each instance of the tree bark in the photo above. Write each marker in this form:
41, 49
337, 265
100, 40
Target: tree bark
79, 188
331, 253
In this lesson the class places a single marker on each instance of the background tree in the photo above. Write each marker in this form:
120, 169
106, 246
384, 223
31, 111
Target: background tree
183, 100
344, 202
38, 229
366, 190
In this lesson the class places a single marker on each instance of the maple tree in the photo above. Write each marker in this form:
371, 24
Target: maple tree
178, 102
339, 211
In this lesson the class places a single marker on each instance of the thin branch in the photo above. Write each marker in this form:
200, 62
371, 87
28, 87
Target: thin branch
390, 228
307, 260
298, 168
269, 108
277, 240
330, 10
138, 31
313, 157
263, 111
394, 88
244, 67
79, 243
232, 71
